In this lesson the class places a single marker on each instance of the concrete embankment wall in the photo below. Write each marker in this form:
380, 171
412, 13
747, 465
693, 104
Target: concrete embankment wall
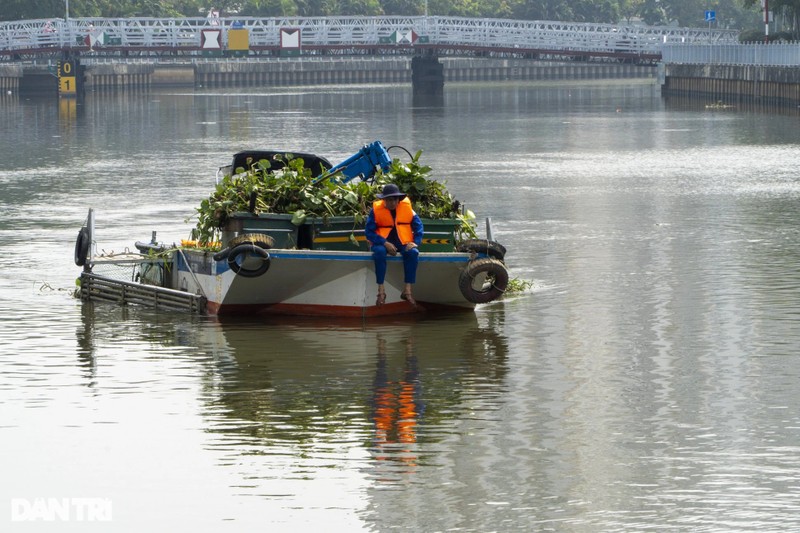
378, 70
303, 72
734, 83
120, 75
467, 69
316, 71
398, 70
10, 76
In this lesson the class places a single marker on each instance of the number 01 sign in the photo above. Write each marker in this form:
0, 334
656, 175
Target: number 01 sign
67, 79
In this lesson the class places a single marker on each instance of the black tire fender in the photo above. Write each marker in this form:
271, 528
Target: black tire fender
259, 239
483, 280
222, 254
262, 241
82, 246
245, 249
493, 249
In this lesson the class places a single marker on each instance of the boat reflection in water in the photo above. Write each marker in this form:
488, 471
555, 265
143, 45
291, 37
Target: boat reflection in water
325, 391
299, 414
397, 406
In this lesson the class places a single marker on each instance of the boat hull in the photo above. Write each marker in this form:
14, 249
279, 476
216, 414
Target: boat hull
321, 283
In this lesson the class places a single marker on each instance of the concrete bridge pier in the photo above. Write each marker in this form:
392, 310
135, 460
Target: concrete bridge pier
427, 76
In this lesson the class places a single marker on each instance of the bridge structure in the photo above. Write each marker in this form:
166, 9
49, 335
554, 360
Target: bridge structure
28, 40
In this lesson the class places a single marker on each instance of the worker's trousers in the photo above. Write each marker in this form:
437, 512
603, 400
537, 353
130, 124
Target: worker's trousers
410, 262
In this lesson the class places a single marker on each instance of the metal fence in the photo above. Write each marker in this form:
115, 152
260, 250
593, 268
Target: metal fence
760, 54
454, 32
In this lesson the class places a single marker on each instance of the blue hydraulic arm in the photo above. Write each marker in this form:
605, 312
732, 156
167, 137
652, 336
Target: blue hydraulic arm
364, 163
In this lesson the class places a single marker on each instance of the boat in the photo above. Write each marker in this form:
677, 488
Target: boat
269, 263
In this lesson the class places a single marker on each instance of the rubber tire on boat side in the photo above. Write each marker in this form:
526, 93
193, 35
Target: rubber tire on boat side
222, 254
82, 246
248, 248
259, 239
493, 249
493, 288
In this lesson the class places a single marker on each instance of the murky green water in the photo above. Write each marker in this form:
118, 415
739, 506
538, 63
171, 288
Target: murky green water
650, 380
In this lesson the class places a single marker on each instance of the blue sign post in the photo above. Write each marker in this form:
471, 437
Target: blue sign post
711, 16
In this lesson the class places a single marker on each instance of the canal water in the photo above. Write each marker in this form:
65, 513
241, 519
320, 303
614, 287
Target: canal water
648, 380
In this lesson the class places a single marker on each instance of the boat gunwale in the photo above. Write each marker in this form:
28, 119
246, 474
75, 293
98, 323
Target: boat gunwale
288, 253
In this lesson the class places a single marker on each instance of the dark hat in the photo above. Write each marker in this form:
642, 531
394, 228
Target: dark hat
390, 190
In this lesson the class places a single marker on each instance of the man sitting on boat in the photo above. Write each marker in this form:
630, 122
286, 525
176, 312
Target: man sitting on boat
392, 226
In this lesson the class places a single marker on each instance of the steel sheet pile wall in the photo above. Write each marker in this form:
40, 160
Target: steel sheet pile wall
112, 76
9, 78
746, 72
735, 83
104, 76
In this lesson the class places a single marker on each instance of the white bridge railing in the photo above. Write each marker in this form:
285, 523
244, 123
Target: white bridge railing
342, 32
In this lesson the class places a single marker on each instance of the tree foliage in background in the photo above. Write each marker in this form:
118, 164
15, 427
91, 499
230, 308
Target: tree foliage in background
737, 14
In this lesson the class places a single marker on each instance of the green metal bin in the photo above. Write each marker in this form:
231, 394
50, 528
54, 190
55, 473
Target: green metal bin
337, 233
278, 226
440, 235
343, 233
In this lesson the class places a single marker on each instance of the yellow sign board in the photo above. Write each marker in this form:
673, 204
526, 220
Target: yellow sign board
67, 79
67, 86
238, 40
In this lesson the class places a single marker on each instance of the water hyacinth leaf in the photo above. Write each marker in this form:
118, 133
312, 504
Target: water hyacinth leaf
293, 189
299, 217
351, 197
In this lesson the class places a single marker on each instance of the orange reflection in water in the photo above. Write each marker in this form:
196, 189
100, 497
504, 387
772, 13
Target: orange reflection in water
396, 408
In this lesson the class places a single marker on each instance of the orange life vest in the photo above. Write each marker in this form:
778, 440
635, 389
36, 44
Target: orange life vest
403, 216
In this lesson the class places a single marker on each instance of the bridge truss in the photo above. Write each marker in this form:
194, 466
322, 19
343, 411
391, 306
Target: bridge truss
349, 35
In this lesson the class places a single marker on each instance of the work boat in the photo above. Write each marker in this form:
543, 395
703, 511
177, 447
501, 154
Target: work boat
271, 263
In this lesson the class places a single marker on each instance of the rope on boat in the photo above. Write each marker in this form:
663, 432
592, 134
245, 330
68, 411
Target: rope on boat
194, 277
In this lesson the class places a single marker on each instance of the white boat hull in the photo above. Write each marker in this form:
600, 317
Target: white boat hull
322, 283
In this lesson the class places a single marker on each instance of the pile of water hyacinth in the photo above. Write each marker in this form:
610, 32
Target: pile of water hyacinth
292, 189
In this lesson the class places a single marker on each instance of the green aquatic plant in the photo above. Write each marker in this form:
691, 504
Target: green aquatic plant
517, 285
290, 188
